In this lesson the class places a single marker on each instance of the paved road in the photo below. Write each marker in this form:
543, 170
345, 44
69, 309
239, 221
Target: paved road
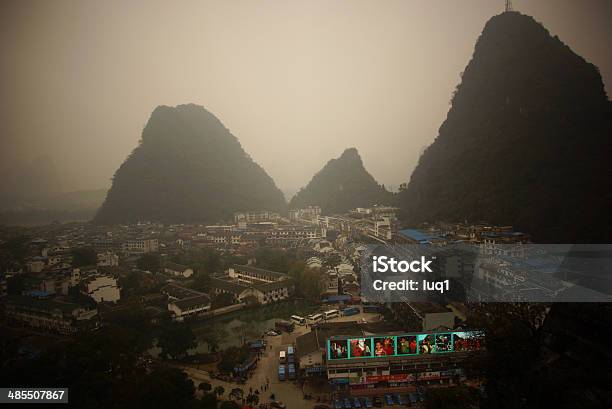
288, 392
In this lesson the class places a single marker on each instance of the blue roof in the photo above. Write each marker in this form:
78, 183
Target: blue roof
416, 235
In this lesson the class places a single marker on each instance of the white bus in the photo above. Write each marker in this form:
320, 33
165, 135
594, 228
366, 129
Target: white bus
331, 314
282, 357
298, 320
314, 318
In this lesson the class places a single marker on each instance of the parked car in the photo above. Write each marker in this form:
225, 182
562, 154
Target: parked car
338, 404
399, 400
356, 403
413, 398
367, 402
378, 402
389, 400
347, 403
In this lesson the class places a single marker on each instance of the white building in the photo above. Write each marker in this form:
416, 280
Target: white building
184, 302
101, 288
178, 270
247, 282
107, 259
140, 246
189, 306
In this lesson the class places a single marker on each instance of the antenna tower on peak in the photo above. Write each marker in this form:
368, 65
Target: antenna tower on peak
509, 5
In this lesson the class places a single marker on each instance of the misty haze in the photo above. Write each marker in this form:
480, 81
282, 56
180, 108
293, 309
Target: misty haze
265, 204
296, 82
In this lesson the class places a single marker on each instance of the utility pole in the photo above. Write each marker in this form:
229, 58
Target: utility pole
509, 5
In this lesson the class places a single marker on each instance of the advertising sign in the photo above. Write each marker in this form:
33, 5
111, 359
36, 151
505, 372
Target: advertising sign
378, 346
390, 378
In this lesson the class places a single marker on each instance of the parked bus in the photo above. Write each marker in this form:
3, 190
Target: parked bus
291, 371
281, 373
284, 326
331, 314
351, 311
298, 320
282, 357
290, 355
315, 318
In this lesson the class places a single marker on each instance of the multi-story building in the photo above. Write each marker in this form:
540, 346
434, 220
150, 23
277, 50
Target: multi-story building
55, 282
247, 283
140, 246
51, 315
310, 213
399, 362
504, 243
185, 302
424, 316
284, 235
107, 259
255, 216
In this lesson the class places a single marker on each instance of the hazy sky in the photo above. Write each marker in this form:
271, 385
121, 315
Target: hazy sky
296, 81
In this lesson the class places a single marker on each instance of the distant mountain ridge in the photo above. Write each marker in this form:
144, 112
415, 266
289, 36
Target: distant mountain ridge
78, 205
342, 184
187, 168
526, 141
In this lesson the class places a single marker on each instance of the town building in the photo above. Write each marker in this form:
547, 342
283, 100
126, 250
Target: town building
290, 234
376, 364
255, 216
51, 315
310, 214
247, 283
178, 270
107, 259
101, 288
140, 246
185, 302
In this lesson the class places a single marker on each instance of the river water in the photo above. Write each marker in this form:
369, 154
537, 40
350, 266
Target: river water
237, 327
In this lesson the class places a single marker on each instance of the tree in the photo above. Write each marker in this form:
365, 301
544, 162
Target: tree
166, 388
149, 262
252, 399
228, 404
212, 337
83, 256
175, 340
233, 356
237, 394
201, 281
17, 247
222, 300
219, 390
205, 386
208, 401
308, 281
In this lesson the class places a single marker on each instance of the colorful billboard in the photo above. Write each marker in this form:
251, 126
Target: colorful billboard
360, 347
404, 345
